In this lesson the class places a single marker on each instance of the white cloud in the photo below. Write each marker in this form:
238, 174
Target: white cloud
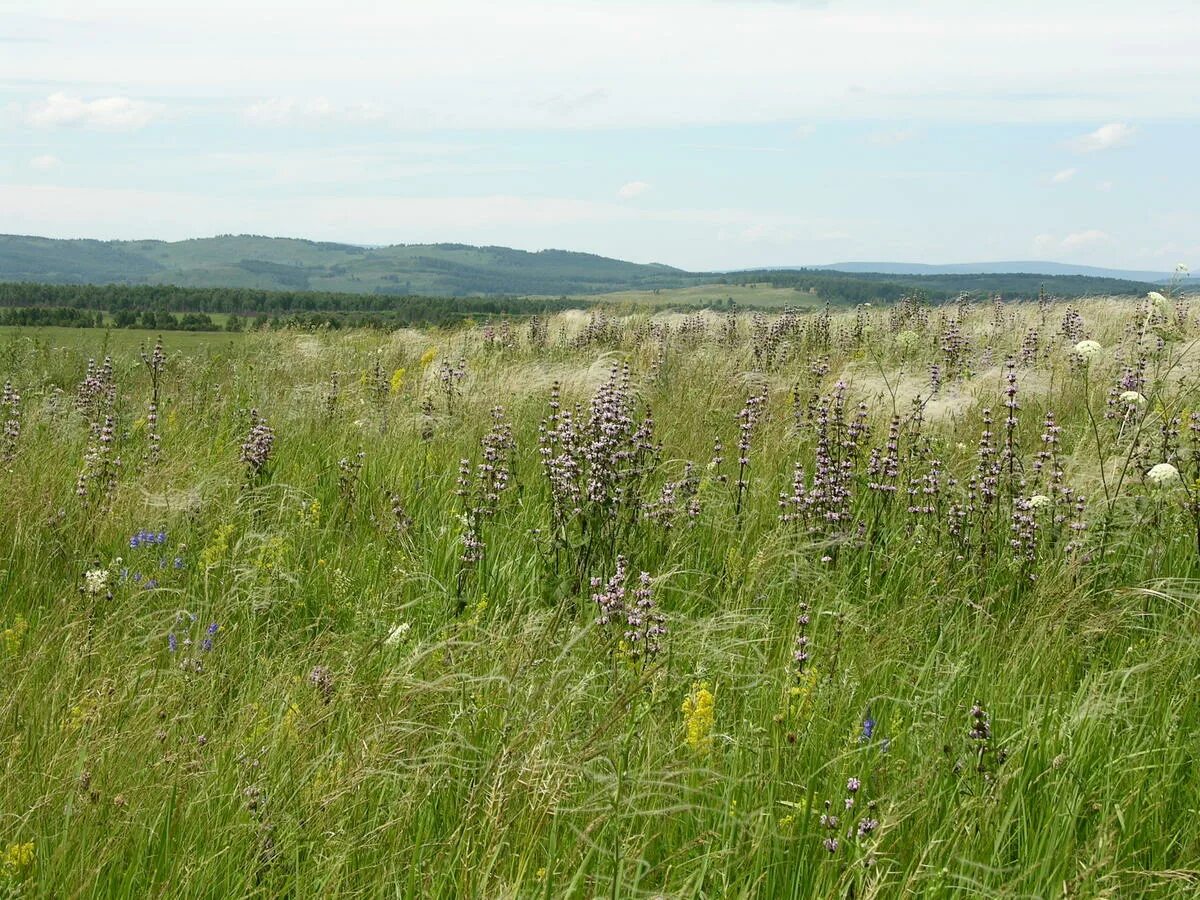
109, 113
632, 189
589, 64
1114, 134
1063, 176
291, 111
45, 162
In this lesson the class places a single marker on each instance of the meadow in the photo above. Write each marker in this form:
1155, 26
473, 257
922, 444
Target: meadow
892, 601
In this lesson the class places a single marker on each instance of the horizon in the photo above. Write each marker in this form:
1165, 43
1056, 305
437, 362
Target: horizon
709, 136
1180, 270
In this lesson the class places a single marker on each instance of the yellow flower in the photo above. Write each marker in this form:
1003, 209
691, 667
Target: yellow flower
698, 717
17, 857
428, 356
397, 380
13, 635
217, 546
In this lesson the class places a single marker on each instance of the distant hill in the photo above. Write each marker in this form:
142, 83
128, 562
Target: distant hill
251, 263
264, 263
1030, 267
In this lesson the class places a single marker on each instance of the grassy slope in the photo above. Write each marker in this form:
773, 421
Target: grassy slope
501, 747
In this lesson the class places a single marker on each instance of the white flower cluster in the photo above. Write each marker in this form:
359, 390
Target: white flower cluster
95, 581
1085, 350
1163, 475
397, 635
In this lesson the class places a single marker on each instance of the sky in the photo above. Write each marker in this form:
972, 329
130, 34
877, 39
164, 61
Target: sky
706, 134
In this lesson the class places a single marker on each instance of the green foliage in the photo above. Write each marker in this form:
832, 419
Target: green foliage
375, 717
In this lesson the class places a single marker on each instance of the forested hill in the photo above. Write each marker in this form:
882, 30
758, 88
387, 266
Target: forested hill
287, 264
292, 266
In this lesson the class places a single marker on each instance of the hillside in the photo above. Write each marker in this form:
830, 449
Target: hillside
262, 263
1017, 267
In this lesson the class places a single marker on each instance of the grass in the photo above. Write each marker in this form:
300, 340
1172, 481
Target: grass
378, 717
758, 296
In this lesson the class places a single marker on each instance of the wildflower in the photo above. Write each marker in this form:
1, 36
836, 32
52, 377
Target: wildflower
1163, 475
1039, 501
322, 679
868, 729
16, 858
397, 381
207, 644
12, 636
428, 356
397, 635
698, 717
96, 581
1086, 350
256, 449
1133, 398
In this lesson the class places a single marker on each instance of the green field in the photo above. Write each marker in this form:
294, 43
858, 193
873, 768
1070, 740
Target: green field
879, 604
759, 296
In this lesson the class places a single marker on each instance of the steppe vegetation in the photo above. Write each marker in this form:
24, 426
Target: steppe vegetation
894, 600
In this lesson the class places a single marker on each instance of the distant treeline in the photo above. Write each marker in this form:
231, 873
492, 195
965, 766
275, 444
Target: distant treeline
72, 317
169, 307
876, 287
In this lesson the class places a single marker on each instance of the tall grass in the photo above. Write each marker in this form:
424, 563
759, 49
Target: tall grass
1011, 686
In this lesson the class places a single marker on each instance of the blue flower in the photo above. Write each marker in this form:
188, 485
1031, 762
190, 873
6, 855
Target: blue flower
868, 728
172, 642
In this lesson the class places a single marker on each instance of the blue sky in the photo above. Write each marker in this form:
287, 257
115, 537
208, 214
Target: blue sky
701, 133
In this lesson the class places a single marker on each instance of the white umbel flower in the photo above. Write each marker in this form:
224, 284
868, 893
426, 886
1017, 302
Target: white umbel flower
397, 635
1039, 501
1087, 349
1163, 475
95, 581
1133, 398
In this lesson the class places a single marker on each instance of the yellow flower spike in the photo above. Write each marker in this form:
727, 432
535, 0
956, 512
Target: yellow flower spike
428, 356
397, 380
699, 715
13, 636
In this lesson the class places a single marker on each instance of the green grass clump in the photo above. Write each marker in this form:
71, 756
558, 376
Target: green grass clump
873, 604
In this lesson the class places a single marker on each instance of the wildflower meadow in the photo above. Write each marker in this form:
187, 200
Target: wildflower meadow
861, 602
